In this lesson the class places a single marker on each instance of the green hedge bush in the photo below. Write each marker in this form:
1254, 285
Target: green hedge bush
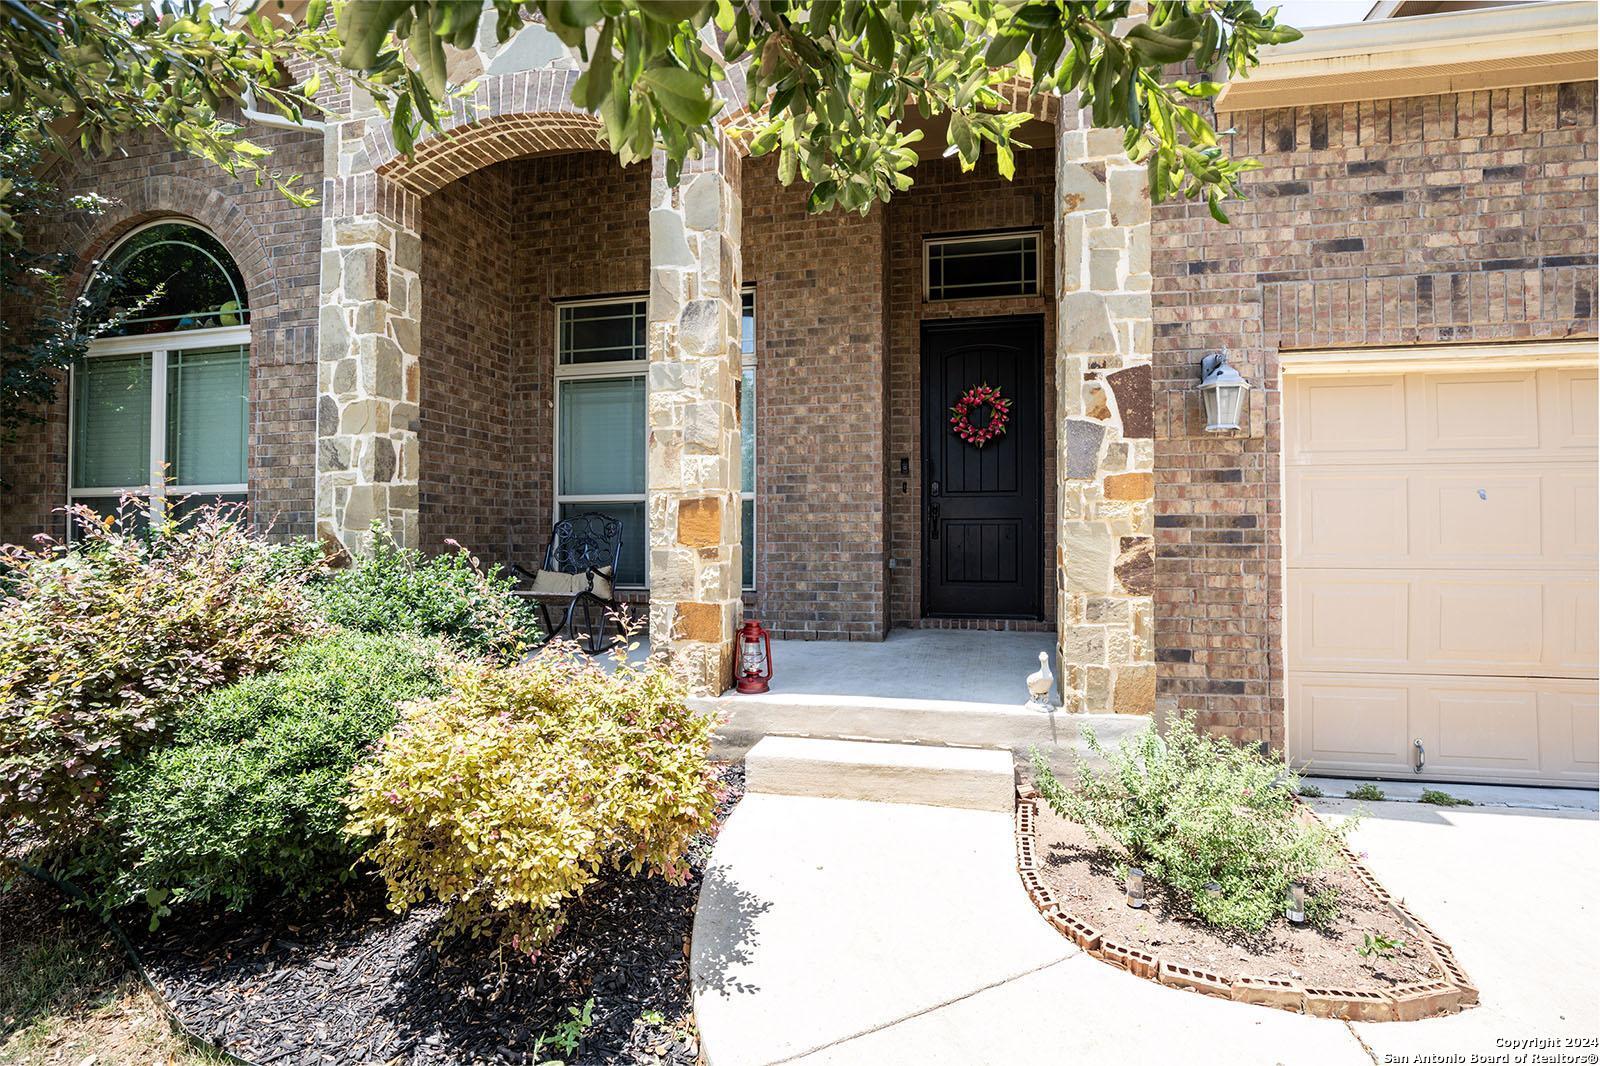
1213, 822
506, 796
250, 796
398, 590
103, 644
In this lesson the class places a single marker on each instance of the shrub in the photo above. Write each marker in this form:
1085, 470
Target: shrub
505, 797
1196, 813
1366, 791
250, 795
102, 644
397, 590
1441, 798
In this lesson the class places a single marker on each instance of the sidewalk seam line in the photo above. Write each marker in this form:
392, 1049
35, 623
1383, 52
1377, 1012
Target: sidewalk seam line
1362, 1043
926, 1010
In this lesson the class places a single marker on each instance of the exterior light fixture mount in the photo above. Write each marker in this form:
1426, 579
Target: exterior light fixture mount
1223, 388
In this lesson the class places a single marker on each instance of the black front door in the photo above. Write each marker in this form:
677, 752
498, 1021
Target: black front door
983, 520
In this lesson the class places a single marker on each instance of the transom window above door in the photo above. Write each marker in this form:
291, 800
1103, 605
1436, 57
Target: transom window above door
161, 411
973, 266
600, 423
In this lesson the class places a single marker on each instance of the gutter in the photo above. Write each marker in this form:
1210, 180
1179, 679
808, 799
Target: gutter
1424, 55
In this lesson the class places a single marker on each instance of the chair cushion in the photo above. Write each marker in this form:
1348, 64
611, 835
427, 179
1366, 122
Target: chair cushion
556, 583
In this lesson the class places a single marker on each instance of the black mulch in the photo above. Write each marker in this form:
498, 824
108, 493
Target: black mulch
357, 984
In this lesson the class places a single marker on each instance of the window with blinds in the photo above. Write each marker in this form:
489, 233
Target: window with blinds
161, 413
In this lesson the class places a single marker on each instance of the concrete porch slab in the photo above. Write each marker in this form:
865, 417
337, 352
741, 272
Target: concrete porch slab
958, 688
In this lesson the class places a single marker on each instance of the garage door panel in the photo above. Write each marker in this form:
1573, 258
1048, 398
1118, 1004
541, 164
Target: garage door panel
1576, 409
1571, 516
1350, 517
1350, 416
1479, 413
1481, 519
1465, 615
1476, 625
1479, 726
1571, 626
1342, 620
1350, 724
1569, 731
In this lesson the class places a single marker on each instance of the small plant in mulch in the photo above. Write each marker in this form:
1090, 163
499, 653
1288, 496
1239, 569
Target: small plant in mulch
1366, 791
1376, 945
1440, 798
1215, 824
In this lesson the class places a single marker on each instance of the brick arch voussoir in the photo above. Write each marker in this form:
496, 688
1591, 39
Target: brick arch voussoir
508, 116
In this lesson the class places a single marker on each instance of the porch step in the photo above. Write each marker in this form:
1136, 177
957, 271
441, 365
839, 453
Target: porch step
973, 778
954, 723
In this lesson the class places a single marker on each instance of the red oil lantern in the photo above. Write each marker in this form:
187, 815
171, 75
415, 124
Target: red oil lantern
755, 658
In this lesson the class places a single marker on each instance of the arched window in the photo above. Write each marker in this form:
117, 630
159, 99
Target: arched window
160, 405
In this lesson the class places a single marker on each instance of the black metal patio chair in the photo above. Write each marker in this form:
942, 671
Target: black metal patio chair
578, 575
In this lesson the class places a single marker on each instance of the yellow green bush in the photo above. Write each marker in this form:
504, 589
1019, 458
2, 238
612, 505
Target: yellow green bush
507, 796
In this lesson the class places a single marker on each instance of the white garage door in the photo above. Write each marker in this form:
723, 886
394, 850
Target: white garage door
1441, 562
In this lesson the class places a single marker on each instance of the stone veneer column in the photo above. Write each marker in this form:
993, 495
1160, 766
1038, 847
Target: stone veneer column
1105, 546
368, 346
692, 446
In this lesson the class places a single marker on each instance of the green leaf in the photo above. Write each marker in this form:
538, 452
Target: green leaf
880, 40
680, 93
427, 51
364, 28
1161, 46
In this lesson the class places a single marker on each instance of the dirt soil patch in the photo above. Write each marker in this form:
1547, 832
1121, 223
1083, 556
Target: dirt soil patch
1084, 882
357, 984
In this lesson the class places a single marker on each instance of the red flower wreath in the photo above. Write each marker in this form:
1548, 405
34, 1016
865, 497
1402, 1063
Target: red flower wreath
974, 398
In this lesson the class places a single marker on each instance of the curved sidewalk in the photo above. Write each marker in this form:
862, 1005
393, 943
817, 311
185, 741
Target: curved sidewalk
875, 934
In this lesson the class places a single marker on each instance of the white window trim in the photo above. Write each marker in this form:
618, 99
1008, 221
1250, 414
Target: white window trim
629, 368
928, 243
626, 369
158, 346
747, 361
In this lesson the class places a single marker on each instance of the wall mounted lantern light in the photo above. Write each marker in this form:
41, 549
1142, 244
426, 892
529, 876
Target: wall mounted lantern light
1223, 389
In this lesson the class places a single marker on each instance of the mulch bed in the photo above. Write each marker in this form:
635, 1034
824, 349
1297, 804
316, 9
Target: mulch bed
1084, 883
355, 983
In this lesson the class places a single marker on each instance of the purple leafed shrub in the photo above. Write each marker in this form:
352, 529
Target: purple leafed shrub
103, 643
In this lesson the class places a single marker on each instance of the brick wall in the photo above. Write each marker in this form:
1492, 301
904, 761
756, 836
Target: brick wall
1438, 219
464, 442
276, 246
945, 201
821, 526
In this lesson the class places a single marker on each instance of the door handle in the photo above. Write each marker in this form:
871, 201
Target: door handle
933, 521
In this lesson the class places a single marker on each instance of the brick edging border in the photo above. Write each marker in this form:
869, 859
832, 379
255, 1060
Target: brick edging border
1404, 1003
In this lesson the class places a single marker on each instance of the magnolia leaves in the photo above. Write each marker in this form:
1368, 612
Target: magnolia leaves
842, 91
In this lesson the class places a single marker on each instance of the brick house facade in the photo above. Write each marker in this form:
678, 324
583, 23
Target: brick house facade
404, 335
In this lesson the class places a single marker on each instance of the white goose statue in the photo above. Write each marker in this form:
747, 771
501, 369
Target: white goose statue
1039, 683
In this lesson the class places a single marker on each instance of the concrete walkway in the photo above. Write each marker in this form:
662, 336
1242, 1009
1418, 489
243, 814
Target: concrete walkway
856, 933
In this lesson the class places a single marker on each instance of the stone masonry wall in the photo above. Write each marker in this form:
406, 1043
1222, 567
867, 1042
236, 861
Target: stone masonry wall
275, 244
1467, 217
945, 201
1106, 454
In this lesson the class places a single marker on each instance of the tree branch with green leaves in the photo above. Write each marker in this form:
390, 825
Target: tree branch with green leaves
837, 88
